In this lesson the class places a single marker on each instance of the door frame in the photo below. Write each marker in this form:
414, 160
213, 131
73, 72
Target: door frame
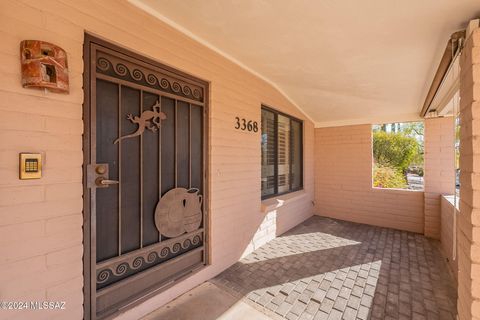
89, 263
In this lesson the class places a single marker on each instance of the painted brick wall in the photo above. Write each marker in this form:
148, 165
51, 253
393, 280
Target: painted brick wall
439, 169
41, 221
469, 217
343, 183
448, 232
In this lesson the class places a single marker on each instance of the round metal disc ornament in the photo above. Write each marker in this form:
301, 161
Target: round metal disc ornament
178, 211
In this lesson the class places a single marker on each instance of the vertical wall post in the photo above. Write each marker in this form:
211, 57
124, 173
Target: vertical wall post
439, 170
468, 226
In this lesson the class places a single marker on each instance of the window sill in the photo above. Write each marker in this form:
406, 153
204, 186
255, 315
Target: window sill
397, 190
279, 201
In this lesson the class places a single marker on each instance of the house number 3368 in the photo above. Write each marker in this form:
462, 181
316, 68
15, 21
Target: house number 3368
243, 124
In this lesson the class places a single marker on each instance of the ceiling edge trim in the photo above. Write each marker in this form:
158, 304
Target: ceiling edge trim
371, 120
149, 10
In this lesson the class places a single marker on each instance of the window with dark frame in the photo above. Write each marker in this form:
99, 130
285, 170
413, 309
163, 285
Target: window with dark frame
282, 153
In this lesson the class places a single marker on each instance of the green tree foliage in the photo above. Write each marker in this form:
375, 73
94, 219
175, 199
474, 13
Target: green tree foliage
388, 177
394, 150
413, 128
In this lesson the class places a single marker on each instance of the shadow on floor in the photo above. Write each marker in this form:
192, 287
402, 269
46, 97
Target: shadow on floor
329, 269
207, 302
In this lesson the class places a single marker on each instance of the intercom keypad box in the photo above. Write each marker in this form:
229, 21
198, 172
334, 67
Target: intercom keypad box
30, 166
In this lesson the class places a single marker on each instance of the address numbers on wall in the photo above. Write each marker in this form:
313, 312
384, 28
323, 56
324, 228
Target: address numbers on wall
246, 125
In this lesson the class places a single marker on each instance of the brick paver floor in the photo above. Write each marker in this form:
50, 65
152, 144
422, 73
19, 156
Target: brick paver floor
331, 269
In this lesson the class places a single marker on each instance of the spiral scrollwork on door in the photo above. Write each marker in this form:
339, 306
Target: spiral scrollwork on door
108, 64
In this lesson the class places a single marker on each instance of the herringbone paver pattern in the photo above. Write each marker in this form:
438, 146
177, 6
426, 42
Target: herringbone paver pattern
331, 269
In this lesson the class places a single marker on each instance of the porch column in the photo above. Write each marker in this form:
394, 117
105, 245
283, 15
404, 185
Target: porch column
468, 236
439, 170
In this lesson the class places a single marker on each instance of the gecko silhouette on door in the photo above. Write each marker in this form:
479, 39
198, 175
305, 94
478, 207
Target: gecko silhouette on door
149, 119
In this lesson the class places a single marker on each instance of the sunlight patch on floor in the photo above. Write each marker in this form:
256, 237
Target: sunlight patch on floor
299, 243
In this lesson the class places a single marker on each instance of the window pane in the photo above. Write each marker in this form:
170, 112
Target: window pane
296, 162
283, 154
268, 153
398, 151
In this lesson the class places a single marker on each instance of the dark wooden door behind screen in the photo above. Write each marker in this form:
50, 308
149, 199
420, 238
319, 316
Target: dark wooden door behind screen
144, 175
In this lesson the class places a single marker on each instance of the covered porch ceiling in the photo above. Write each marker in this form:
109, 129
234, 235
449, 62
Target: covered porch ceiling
341, 62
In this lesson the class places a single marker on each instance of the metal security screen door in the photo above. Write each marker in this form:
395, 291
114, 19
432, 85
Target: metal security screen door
145, 223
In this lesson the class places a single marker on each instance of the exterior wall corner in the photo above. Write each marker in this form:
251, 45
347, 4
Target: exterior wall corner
468, 219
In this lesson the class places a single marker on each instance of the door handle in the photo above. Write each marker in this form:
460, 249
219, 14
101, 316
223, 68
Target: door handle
102, 182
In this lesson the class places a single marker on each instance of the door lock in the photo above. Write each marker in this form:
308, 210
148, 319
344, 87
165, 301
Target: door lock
102, 182
101, 169
97, 176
